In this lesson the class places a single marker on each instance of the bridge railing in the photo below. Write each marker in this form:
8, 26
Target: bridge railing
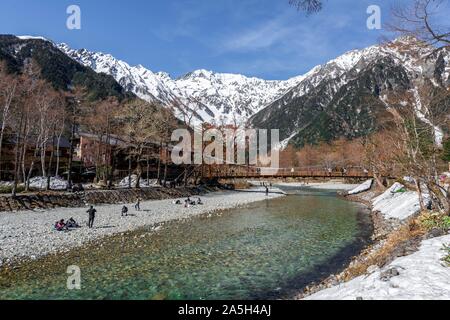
255, 172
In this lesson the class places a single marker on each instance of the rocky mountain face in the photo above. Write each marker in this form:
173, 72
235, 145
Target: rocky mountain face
198, 96
55, 67
344, 98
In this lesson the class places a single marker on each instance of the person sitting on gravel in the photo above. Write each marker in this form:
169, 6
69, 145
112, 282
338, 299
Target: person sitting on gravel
199, 202
124, 211
60, 225
177, 202
72, 224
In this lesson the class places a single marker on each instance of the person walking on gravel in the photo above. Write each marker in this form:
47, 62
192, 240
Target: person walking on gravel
138, 204
91, 213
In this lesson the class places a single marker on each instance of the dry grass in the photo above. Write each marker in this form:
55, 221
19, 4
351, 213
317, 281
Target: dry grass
386, 253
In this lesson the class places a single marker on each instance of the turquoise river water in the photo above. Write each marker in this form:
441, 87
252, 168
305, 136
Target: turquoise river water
267, 250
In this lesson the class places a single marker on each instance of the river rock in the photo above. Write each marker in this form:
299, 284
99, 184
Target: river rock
389, 274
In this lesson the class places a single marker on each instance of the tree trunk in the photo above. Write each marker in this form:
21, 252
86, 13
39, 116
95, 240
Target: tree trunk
419, 191
442, 201
165, 167
72, 148
139, 174
16, 158
129, 172
378, 180
49, 175
148, 170
58, 156
159, 164
113, 167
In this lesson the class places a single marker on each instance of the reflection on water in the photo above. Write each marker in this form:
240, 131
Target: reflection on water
265, 250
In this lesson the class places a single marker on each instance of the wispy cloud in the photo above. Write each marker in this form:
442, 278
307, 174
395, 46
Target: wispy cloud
263, 36
287, 43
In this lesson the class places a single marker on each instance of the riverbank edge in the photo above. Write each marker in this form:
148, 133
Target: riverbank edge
382, 229
14, 263
46, 200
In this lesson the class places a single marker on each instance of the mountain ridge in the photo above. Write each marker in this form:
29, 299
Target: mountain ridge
325, 106
210, 96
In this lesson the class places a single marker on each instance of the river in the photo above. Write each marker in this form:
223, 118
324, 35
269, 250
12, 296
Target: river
267, 250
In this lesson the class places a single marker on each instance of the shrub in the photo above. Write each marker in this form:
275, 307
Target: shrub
8, 189
435, 220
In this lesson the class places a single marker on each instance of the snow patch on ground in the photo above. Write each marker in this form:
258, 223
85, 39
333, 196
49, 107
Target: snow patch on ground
143, 182
362, 188
398, 203
40, 183
422, 276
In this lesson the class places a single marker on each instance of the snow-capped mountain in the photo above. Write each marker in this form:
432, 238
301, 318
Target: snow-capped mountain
332, 100
201, 95
327, 103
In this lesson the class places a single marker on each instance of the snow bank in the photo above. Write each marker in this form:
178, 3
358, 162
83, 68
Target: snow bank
363, 187
422, 276
40, 183
398, 203
143, 182
6, 183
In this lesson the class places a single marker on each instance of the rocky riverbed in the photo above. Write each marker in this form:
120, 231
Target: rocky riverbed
30, 234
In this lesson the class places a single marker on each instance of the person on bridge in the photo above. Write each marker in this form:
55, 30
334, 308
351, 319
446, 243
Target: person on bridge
267, 191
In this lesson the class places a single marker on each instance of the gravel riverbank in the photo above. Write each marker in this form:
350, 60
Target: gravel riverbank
30, 234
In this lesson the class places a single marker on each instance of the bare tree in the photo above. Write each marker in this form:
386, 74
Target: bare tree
309, 6
419, 115
8, 91
139, 128
420, 19
98, 118
164, 122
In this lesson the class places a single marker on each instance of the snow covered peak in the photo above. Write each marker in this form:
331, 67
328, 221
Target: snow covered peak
211, 97
32, 38
225, 97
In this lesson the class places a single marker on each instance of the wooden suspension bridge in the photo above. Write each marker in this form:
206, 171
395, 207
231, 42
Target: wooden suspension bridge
251, 172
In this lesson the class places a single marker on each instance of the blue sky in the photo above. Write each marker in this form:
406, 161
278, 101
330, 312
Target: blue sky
263, 38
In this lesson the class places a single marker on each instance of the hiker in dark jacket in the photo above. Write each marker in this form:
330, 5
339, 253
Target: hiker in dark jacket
91, 213
72, 224
124, 211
